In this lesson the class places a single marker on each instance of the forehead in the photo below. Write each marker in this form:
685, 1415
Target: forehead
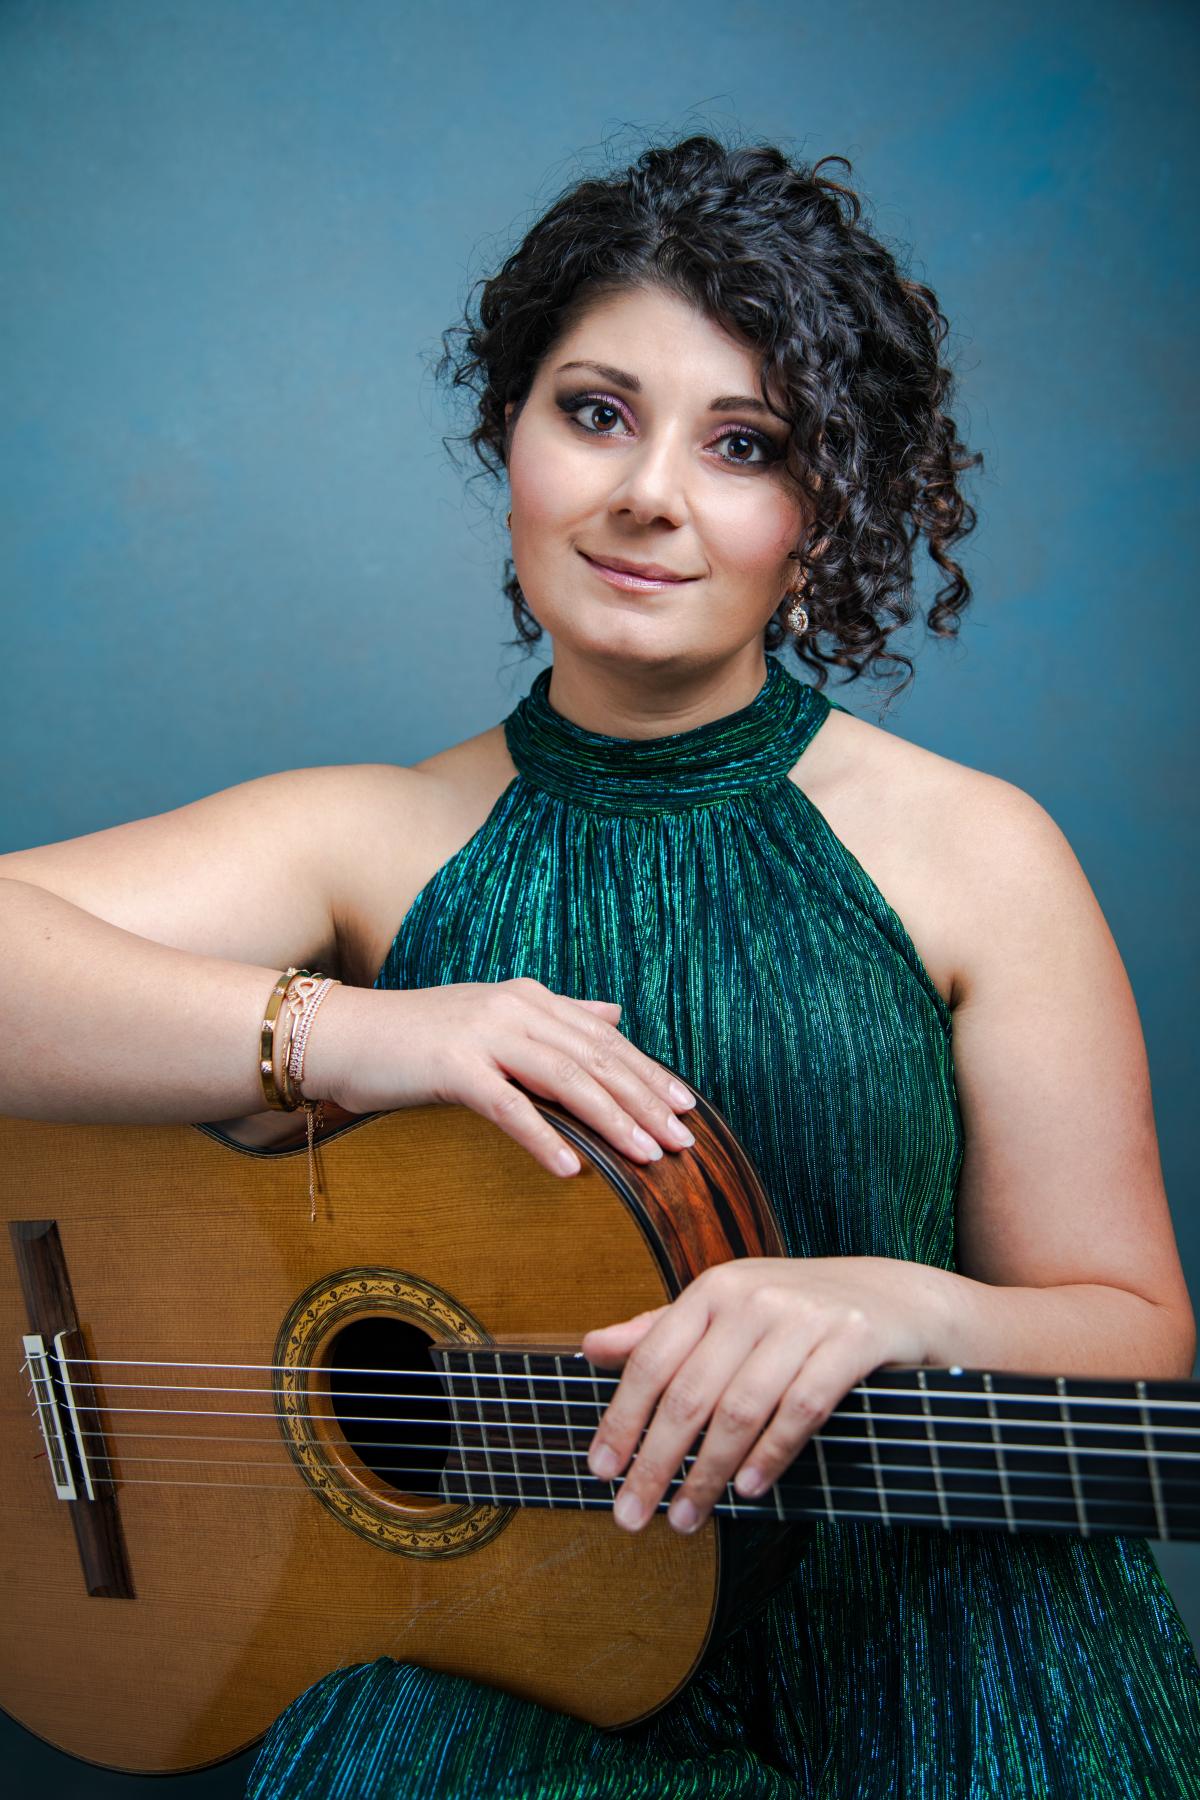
663, 340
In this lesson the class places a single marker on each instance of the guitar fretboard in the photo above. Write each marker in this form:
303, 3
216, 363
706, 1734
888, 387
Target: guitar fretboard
946, 1448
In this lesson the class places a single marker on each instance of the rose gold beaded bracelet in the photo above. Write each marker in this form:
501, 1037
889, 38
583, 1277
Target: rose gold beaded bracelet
302, 1027
298, 993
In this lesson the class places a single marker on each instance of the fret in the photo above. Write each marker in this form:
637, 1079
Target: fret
1108, 1432
934, 1460
903, 1438
1009, 1515
536, 1417
463, 1472
572, 1463
1072, 1460
869, 1417
515, 1472
774, 1497
1175, 1447
483, 1432
805, 1489
850, 1478
969, 1417
819, 1448
943, 1459
609, 1487
1160, 1513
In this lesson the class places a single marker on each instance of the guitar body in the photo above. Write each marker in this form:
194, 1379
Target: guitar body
261, 1548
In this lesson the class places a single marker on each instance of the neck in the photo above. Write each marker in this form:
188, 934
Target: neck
624, 700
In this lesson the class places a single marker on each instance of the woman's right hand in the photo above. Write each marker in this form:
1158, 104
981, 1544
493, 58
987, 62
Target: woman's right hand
467, 1044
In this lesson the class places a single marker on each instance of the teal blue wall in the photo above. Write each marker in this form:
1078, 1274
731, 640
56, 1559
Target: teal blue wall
231, 540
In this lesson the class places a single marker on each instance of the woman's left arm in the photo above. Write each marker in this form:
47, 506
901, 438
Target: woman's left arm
1066, 1255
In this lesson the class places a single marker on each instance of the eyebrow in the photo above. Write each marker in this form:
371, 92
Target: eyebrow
723, 402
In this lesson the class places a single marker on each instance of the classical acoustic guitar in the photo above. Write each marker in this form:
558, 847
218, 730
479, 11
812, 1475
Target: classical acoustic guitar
242, 1447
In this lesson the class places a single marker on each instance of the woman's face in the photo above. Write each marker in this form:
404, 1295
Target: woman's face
641, 450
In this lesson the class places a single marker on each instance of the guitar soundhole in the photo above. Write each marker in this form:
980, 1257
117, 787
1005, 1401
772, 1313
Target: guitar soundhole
389, 1402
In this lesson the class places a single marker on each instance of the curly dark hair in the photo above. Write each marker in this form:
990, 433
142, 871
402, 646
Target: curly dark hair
772, 250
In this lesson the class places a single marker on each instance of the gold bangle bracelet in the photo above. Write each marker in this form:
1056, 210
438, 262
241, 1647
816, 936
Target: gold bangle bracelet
287, 1100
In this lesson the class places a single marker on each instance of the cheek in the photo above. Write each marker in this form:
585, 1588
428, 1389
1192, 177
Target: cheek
548, 484
752, 533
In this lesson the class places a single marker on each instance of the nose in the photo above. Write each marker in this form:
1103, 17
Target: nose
652, 485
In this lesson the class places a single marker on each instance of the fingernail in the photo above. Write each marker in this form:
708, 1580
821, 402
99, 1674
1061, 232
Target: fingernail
678, 1132
680, 1095
628, 1510
643, 1141
749, 1483
683, 1515
603, 1462
567, 1161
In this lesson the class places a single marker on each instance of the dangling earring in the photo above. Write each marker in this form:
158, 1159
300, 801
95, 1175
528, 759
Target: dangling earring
796, 616
508, 518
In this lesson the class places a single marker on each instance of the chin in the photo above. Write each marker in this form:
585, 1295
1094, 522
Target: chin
629, 650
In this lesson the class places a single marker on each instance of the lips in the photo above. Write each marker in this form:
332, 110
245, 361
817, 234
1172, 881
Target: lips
647, 571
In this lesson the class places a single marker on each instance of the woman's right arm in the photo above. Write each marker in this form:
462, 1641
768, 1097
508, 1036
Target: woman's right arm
138, 961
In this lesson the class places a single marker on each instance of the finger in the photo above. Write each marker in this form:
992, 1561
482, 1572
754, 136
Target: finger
671, 1337
506, 1106
680, 1418
738, 1421
647, 1091
662, 1082
822, 1384
611, 1344
550, 1065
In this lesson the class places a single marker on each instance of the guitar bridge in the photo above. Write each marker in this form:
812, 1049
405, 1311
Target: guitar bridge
79, 1480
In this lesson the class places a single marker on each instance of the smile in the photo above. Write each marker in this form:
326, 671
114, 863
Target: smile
624, 578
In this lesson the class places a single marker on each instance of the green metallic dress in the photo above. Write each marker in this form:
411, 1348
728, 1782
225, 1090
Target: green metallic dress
687, 878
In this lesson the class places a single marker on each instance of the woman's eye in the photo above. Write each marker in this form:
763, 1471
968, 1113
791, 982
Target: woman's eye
770, 453
597, 404
577, 402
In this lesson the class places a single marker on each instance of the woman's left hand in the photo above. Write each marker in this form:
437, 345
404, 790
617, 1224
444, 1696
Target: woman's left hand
754, 1353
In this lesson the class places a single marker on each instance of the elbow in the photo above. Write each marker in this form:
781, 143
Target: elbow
1178, 1341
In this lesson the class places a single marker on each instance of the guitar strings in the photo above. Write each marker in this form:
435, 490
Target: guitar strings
870, 1420
870, 1482
544, 1475
575, 1456
497, 1448
280, 1443
437, 1389
602, 1504
733, 1507
609, 1382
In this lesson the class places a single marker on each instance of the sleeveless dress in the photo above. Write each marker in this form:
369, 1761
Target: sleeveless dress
687, 878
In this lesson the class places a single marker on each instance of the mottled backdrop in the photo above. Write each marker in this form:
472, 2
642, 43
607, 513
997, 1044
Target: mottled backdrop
232, 539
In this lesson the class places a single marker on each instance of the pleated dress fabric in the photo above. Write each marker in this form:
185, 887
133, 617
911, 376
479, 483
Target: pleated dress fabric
689, 879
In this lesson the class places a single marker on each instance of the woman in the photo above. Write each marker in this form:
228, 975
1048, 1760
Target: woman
719, 407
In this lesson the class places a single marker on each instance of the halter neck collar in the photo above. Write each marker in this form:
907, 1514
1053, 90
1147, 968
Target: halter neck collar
746, 749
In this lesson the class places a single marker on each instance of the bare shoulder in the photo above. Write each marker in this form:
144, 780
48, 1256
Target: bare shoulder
303, 865
412, 819
954, 850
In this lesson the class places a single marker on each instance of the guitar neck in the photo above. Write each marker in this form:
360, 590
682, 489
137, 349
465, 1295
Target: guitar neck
933, 1447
